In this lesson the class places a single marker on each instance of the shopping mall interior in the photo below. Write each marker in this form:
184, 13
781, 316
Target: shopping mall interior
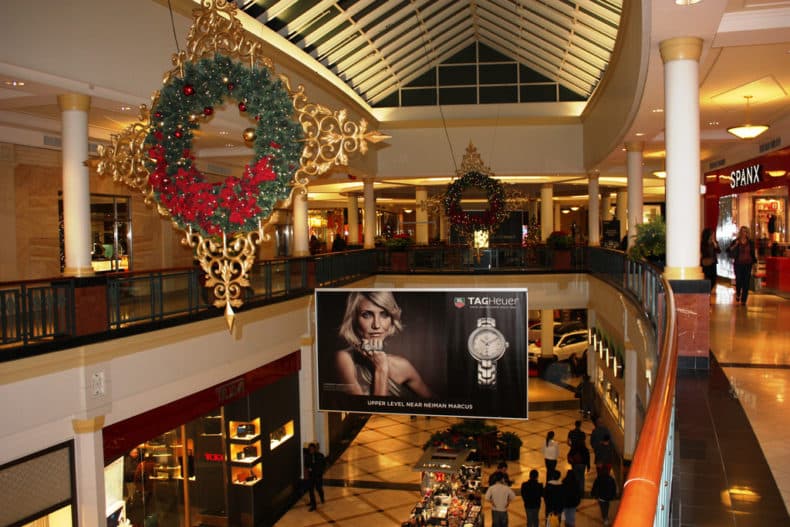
193, 192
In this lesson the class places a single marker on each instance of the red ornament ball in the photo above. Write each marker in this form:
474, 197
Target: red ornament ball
178, 134
208, 110
188, 90
242, 106
158, 115
231, 86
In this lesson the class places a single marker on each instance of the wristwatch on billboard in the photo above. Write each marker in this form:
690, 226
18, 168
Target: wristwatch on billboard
486, 345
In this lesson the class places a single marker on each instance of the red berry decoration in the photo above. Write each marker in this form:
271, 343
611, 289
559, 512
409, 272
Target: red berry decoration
158, 115
178, 134
231, 86
242, 107
188, 90
208, 110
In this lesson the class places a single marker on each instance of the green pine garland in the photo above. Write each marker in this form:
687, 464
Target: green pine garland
489, 219
237, 203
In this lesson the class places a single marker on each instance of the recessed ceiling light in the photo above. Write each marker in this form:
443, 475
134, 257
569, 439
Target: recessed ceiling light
639, 134
125, 108
657, 110
713, 123
223, 132
229, 145
14, 83
687, 2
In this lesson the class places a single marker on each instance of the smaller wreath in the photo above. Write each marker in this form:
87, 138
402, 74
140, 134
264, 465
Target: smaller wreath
238, 202
491, 218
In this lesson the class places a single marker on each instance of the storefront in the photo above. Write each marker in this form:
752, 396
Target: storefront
753, 194
228, 455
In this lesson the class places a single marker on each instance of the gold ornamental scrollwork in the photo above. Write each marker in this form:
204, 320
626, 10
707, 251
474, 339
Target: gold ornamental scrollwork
329, 137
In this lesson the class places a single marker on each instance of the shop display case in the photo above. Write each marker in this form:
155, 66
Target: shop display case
281, 434
245, 451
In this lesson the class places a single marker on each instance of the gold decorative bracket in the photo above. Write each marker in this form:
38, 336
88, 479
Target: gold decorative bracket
329, 137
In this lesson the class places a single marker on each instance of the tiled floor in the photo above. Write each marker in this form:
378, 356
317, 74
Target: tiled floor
733, 467
373, 482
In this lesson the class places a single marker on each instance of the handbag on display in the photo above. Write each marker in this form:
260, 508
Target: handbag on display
250, 451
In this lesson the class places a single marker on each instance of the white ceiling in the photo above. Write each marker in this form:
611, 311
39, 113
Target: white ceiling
746, 52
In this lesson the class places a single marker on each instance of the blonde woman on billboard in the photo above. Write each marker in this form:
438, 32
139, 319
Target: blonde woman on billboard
364, 367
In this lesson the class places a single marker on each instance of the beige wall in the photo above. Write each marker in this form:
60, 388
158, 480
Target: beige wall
37, 180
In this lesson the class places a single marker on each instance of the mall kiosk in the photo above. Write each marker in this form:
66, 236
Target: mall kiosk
450, 490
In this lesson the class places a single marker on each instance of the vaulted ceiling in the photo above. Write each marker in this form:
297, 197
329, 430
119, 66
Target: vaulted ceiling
377, 47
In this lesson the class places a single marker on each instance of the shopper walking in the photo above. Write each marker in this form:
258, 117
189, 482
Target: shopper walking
604, 490
500, 496
315, 463
605, 455
551, 451
571, 498
579, 459
553, 496
709, 249
598, 433
586, 392
741, 250
576, 434
532, 494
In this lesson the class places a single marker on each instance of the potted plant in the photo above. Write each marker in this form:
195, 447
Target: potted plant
511, 445
560, 243
650, 242
397, 246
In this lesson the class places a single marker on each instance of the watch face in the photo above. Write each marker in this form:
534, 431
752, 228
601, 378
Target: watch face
487, 343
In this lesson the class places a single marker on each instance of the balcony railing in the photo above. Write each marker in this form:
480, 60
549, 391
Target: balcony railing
45, 315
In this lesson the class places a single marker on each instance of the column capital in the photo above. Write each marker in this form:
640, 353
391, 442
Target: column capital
593, 174
74, 101
88, 426
547, 186
634, 146
681, 48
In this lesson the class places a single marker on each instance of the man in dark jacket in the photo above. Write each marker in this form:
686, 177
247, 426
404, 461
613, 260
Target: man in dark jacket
571, 498
532, 493
315, 463
579, 459
604, 490
553, 493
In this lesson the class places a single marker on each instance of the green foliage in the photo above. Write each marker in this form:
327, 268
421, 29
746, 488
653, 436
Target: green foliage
559, 240
650, 241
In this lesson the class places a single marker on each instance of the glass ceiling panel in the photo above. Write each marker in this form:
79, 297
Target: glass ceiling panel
378, 47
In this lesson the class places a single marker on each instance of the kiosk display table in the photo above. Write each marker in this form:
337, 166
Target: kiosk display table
451, 490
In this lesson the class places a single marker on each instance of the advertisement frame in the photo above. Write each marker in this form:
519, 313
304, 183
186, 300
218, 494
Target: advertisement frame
429, 352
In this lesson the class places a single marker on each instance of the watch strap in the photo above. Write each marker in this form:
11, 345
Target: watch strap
486, 373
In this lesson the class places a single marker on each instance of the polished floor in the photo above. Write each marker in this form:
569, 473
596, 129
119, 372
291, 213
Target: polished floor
733, 440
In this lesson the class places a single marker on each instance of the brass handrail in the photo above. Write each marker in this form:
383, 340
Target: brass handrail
639, 498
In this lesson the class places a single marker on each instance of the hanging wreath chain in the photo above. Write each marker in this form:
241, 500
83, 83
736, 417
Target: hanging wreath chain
238, 202
491, 218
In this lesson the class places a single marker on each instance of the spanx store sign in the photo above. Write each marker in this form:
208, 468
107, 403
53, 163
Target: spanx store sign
745, 176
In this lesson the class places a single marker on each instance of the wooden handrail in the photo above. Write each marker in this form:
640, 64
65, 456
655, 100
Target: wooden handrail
641, 490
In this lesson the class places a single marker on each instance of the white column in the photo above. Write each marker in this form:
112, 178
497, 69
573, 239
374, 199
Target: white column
557, 217
681, 129
622, 211
76, 184
606, 205
370, 214
89, 464
301, 225
634, 151
444, 227
546, 332
532, 209
546, 210
353, 219
421, 216
593, 216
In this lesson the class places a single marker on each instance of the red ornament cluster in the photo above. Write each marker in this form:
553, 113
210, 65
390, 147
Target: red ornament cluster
192, 200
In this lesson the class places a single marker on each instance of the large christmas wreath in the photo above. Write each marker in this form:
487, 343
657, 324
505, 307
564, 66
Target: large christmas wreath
236, 203
489, 219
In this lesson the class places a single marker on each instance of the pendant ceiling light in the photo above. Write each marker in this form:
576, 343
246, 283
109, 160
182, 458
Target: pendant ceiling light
748, 130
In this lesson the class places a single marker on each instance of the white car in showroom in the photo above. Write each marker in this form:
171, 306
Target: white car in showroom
570, 346
559, 327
